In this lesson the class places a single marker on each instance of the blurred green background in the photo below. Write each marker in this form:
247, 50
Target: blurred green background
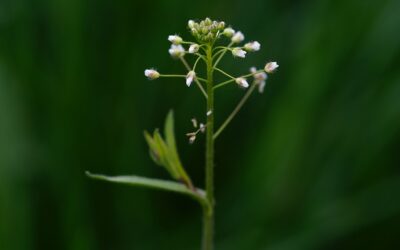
313, 163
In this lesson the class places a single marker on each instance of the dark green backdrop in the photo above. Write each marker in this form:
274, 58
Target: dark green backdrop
313, 163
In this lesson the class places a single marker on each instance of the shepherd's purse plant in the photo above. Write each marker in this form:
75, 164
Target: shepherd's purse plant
207, 49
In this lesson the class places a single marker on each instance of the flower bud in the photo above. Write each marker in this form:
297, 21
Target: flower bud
190, 77
221, 25
175, 39
151, 74
238, 52
202, 127
242, 82
176, 51
229, 32
191, 24
259, 78
271, 67
192, 139
238, 37
194, 48
252, 46
194, 122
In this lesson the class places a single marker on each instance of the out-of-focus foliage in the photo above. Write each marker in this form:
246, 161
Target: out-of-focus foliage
312, 163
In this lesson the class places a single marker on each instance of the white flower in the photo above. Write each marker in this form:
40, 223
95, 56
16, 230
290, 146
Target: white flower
238, 37
261, 87
259, 78
194, 48
271, 67
190, 77
202, 127
239, 52
192, 139
175, 39
252, 46
191, 24
151, 74
209, 112
176, 50
229, 32
242, 82
194, 122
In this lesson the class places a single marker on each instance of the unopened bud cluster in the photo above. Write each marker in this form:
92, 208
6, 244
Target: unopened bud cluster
206, 31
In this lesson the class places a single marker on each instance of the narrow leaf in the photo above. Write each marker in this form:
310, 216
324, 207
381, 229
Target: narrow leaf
167, 159
155, 154
197, 194
174, 156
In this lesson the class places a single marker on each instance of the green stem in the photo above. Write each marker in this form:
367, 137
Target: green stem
223, 83
235, 111
208, 216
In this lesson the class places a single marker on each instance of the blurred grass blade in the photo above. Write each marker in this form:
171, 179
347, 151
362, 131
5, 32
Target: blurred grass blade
171, 186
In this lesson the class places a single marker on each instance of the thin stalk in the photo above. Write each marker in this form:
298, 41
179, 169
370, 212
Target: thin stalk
208, 216
235, 111
222, 54
224, 73
195, 79
219, 85
182, 76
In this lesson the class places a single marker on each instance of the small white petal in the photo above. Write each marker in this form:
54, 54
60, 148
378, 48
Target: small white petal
175, 39
194, 122
192, 139
261, 86
252, 46
238, 52
191, 75
238, 37
242, 82
194, 48
151, 74
202, 127
271, 67
176, 50
209, 112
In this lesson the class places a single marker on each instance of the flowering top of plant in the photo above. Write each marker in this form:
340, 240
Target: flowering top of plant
207, 49
206, 33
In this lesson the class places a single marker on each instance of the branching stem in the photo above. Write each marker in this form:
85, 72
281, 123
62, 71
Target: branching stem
235, 111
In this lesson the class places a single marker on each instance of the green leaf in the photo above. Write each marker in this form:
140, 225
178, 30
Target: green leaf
169, 131
155, 153
165, 153
172, 186
167, 159
174, 156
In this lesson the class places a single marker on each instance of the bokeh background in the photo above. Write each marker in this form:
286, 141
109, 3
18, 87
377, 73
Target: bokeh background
313, 163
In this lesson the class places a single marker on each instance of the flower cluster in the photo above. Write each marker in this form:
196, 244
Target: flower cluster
206, 31
205, 48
